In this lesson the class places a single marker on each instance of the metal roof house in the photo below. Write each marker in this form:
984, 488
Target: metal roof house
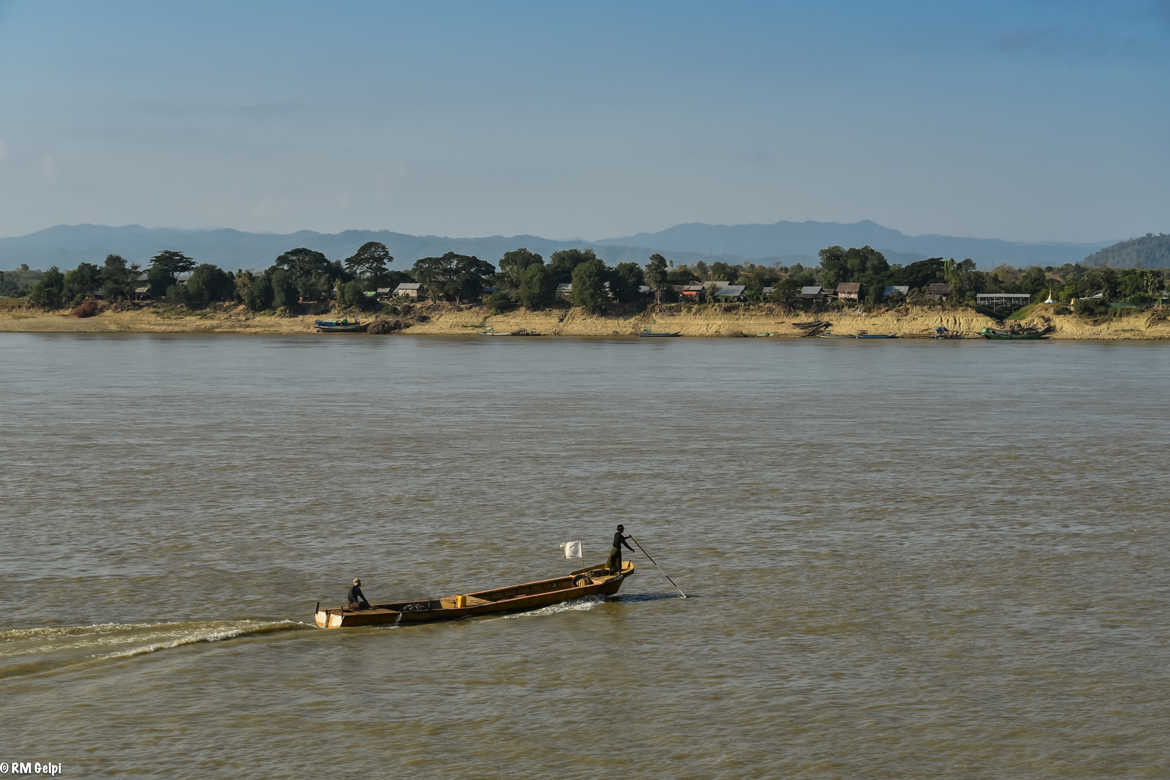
1003, 300
813, 291
730, 292
409, 289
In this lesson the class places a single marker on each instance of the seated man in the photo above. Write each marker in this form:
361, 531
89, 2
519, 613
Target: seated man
355, 598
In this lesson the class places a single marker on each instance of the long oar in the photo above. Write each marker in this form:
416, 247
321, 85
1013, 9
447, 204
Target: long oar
664, 574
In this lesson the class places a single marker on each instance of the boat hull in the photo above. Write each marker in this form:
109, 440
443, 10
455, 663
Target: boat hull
583, 583
1007, 335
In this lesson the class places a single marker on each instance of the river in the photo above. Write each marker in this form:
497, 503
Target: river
904, 558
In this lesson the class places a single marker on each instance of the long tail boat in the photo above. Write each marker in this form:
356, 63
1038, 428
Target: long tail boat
340, 326
583, 583
1028, 334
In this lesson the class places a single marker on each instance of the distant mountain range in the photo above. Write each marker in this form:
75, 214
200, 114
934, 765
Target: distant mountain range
1148, 251
785, 242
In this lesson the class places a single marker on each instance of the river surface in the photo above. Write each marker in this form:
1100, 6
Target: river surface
906, 558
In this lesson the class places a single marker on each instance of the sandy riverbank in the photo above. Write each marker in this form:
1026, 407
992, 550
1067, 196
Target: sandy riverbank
905, 322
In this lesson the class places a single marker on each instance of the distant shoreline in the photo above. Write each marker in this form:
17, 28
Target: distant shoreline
761, 320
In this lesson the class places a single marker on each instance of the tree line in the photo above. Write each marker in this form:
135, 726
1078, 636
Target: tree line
522, 278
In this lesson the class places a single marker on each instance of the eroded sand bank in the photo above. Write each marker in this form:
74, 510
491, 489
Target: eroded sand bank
710, 321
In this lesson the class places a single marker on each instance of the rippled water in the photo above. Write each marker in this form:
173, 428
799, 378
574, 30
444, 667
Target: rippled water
906, 558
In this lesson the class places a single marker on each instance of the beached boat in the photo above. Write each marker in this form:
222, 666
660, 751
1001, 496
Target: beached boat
649, 334
583, 583
340, 326
1001, 334
521, 332
863, 334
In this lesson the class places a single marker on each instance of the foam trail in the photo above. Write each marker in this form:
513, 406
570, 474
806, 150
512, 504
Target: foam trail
34, 650
579, 605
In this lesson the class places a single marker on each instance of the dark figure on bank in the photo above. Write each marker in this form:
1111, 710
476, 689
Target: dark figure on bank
355, 599
614, 564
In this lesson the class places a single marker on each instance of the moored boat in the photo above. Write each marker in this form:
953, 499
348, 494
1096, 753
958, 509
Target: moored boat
340, 326
1013, 334
646, 333
583, 583
864, 334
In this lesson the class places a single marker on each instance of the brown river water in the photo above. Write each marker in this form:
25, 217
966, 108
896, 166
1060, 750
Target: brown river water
905, 558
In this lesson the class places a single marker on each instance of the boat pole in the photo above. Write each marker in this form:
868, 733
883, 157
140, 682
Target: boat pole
664, 574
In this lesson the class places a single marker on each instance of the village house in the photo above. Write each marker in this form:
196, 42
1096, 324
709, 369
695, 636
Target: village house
813, 292
690, 292
939, 291
408, 290
729, 292
849, 291
1010, 301
565, 291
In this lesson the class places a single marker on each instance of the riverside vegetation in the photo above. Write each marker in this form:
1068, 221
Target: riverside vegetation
175, 292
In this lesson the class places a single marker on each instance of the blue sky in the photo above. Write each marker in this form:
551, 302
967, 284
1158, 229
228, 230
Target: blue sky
1035, 120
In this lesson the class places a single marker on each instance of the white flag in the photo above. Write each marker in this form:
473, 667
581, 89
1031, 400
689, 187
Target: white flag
572, 549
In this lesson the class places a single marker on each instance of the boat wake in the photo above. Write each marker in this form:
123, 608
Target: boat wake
28, 651
579, 605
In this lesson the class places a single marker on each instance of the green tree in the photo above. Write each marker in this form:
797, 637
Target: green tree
284, 289
536, 289
919, 274
721, 271
49, 291
310, 271
370, 263
656, 275
82, 282
351, 294
834, 267
118, 278
624, 281
208, 284
258, 293
786, 291
564, 262
500, 301
589, 290
514, 265
164, 270
453, 276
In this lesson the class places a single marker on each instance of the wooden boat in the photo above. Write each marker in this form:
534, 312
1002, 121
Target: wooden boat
646, 333
1008, 334
862, 334
521, 332
340, 326
583, 583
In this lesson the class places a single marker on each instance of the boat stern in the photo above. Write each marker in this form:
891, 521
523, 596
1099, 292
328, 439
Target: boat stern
327, 618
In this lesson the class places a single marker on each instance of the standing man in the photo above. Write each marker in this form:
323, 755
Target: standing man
614, 564
355, 599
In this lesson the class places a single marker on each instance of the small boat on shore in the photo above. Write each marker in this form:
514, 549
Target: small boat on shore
863, 334
340, 326
521, 332
646, 333
583, 583
1014, 334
